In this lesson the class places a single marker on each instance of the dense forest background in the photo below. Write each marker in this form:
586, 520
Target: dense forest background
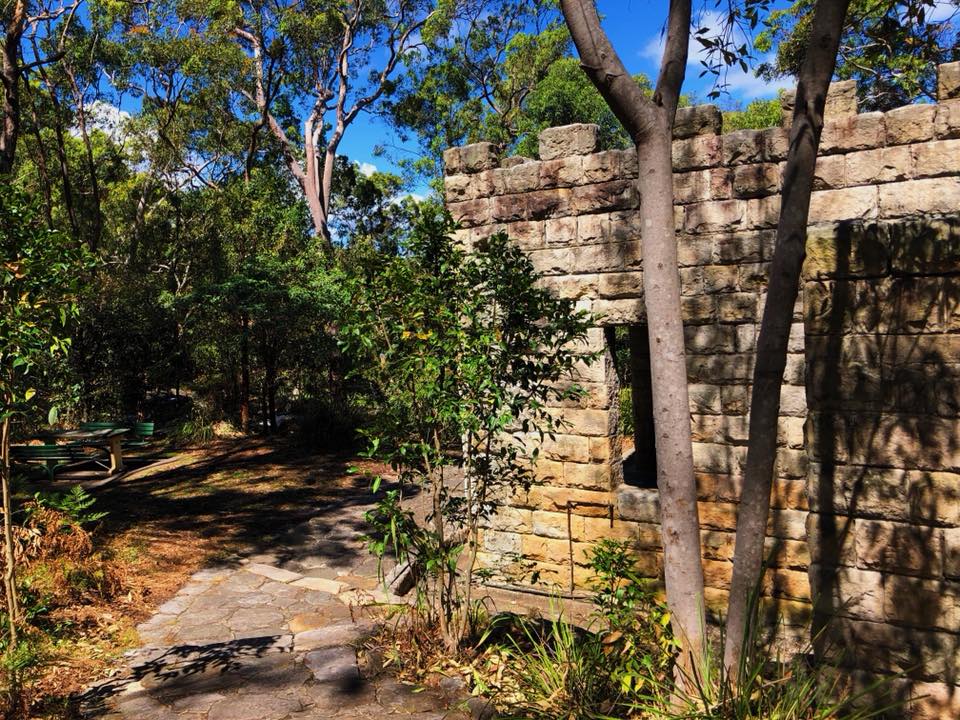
220, 213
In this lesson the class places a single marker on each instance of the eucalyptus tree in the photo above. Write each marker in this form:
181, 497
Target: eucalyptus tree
891, 48
649, 122
23, 23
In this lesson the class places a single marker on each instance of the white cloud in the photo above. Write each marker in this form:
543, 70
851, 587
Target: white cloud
416, 197
942, 11
742, 85
107, 118
367, 169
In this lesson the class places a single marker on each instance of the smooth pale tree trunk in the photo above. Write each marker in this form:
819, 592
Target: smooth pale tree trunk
649, 121
771, 353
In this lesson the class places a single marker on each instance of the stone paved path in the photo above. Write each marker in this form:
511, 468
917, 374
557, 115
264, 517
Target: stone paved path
271, 636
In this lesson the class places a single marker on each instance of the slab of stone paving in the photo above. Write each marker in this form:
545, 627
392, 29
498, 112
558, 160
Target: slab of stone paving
273, 636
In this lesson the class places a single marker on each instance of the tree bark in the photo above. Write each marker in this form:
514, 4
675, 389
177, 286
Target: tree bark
650, 124
9, 555
771, 353
10, 80
244, 374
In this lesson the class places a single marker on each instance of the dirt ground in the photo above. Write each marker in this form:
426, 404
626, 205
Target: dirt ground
171, 516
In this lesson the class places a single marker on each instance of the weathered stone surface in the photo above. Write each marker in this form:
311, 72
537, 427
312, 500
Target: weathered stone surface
274, 573
697, 120
948, 81
568, 140
756, 180
743, 146
910, 124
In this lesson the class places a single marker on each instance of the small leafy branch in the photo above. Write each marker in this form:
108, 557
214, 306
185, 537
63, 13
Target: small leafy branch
469, 355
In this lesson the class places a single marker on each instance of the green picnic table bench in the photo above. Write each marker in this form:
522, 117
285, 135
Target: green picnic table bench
51, 456
142, 432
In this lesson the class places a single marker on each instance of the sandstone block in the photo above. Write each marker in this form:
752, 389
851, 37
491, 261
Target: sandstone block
742, 247
934, 158
560, 231
697, 120
513, 161
509, 208
928, 246
857, 203
948, 81
550, 524
579, 139
762, 212
704, 399
898, 547
717, 458
698, 309
756, 180
594, 228
710, 339
735, 399
841, 99
604, 197
501, 542
852, 592
788, 524
702, 151
624, 311
829, 172
888, 164
910, 124
587, 476
476, 157
528, 235
521, 178
458, 187
511, 519
718, 516
542, 204
926, 604
721, 279
739, 307
782, 583
621, 285
792, 554
776, 144
858, 132
948, 119
715, 216
604, 166
935, 195
471, 213
639, 504
561, 172
743, 146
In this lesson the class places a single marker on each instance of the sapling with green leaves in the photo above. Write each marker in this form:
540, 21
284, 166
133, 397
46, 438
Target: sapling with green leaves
469, 355
40, 275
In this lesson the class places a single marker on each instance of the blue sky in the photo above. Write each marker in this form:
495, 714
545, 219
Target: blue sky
634, 28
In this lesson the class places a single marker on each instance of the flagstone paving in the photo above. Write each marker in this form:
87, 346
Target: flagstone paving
271, 636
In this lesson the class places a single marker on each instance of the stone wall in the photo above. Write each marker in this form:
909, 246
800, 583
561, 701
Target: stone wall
866, 501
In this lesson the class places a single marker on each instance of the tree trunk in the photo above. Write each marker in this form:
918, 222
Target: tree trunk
771, 353
9, 559
244, 374
650, 124
10, 80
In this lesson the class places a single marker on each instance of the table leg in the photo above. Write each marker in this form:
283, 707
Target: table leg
116, 455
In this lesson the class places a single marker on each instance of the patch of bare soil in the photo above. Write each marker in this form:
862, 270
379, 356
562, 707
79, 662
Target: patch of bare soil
167, 520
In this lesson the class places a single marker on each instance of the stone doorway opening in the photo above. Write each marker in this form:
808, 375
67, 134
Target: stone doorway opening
630, 348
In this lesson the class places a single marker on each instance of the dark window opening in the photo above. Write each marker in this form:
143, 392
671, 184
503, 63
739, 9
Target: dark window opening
630, 348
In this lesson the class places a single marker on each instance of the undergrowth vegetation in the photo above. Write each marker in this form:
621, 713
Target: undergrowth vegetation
618, 663
61, 570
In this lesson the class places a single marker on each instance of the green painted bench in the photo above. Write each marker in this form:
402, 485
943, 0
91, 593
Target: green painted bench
142, 434
51, 457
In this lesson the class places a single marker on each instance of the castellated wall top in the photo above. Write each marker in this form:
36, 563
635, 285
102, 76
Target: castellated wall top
573, 209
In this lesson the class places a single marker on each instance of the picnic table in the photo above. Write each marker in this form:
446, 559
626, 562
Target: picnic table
110, 439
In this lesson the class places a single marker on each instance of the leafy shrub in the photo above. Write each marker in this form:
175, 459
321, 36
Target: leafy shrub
626, 411
757, 115
462, 349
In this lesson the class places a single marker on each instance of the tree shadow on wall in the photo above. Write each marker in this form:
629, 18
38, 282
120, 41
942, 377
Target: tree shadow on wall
883, 390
